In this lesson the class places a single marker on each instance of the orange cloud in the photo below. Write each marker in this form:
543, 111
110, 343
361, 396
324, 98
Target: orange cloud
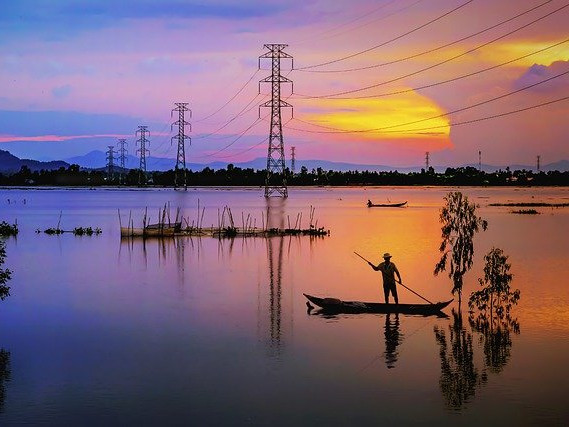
392, 117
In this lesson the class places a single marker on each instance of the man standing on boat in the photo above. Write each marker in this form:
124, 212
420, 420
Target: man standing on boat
388, 271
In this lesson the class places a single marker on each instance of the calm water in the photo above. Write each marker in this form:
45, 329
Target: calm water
209, 332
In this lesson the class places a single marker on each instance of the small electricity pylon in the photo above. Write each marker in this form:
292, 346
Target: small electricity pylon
122, 157
110, 162
180, 169
479, 161
142, 132
275, 182
292, 160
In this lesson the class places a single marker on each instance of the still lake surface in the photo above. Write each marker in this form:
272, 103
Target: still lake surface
183, 331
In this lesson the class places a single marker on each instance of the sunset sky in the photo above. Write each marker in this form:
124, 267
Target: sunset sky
78, 75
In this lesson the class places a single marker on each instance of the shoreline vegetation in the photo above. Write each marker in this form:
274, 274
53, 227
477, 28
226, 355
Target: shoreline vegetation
74, 176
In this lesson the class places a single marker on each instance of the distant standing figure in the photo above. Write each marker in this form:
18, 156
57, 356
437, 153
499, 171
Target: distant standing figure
388, 271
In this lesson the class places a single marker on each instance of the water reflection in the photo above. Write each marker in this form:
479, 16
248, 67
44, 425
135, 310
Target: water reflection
275, 257
393, 337
275, 211
459, 375
496, 338
4, 375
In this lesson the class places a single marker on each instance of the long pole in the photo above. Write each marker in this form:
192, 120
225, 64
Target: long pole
411, 290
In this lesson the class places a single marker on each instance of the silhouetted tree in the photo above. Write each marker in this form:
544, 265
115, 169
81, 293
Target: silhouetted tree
493, 303
5, 274
459, 224
496, 297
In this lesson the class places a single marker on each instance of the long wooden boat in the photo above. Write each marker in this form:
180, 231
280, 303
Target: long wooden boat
335, 305
153, 230
386, 205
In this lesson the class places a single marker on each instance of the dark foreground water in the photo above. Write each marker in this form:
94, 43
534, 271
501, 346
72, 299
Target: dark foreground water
100, 331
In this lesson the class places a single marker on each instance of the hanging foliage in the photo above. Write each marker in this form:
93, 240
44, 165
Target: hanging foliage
459, 224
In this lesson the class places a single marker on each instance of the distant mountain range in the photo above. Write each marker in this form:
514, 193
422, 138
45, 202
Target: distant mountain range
97, 160
10, 163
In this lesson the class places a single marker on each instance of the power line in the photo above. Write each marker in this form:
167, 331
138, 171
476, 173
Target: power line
463, 76
346, 92
322, 36
406, 58
275, 181
478, 104
239, 114
110, 162
180, 169
230, 99
246, 150
494, 116
143, 132
253, 146
231, 135
388, 41
235, 140
122, 151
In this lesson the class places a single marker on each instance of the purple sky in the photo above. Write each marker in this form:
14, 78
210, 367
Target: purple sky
78, 75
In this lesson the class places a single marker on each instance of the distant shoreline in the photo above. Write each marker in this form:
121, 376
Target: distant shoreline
256, 187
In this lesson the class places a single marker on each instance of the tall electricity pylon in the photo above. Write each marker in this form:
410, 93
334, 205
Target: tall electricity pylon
142, 132
538, 164
110, 162
427, 154
292, 160
275, 182
180, 170
122, 157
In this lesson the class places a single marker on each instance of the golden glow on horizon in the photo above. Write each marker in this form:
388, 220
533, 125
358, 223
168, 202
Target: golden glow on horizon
503, 52
386, 113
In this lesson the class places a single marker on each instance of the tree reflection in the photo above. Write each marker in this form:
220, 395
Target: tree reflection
495, 337
4, 375
459, 375
393, 338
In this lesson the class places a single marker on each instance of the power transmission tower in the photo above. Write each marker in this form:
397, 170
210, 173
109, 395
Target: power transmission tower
142, 132
292, 159
275, 182
427, 161
479, 161
110, 162
538, 163
181, 108
122, 159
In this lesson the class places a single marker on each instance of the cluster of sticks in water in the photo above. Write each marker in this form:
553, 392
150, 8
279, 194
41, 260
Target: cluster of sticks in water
77, 231
7, 230
226, 226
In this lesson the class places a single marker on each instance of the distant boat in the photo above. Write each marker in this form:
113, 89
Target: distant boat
385, 205
334, 305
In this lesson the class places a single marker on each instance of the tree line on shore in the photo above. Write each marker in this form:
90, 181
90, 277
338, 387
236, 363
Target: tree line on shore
75, 176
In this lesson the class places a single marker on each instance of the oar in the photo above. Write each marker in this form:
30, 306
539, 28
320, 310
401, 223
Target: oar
361, 256
414, 292
411, 290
